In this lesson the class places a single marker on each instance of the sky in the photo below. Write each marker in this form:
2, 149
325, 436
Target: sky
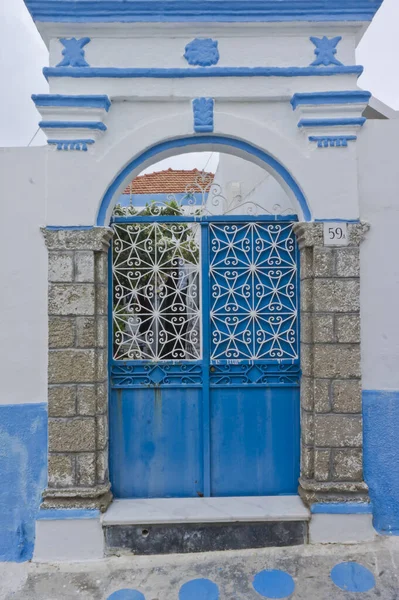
23, 55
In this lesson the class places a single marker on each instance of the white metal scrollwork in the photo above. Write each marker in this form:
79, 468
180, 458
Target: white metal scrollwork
156, 291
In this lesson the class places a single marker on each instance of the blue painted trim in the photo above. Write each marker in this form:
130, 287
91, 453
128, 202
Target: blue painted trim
381, 457
350, 508
178, 73
332, 141
110, 352
202, 11
206, 219
80, 145
73, 125
67, 514
206, 360
337, 220
69, 227
197, 141
140, 200
23, 466
321, 98
84, 101
27, 405
331, 122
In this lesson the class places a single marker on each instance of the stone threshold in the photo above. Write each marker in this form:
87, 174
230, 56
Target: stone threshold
167, 511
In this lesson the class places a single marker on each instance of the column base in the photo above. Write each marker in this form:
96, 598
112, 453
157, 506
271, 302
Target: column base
345, 523
68, 535
313, 492
96, 498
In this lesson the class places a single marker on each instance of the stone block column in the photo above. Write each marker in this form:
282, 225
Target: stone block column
77, 368
331, 409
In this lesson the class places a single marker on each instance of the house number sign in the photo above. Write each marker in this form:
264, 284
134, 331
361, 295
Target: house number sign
336, 234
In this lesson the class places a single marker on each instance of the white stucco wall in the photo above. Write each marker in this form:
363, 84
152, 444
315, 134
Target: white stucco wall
255, 186
379, 200
23, 270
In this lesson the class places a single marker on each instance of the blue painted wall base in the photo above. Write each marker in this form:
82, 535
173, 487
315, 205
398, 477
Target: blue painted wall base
381, 457
23, 468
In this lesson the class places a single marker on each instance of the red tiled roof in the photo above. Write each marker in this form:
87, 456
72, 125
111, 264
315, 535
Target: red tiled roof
164, 182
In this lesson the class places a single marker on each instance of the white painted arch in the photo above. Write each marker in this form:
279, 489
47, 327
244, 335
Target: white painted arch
224, 139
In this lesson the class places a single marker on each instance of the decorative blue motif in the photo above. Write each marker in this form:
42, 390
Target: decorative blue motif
326, 49
199, 589
71, 144
332, 141
73, 53
203, 115
274, 584
126, 594
202, 52
246, 373
352, 577
140, 374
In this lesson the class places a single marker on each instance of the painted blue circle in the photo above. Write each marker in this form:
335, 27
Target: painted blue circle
352, 577
274, 584
126, 595
199, 589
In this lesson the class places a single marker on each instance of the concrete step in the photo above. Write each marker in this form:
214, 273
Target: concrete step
184, 525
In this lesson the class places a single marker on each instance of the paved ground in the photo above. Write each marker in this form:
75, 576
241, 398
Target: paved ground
304, 574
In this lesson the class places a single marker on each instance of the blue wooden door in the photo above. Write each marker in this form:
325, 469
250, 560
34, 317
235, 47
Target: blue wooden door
204, 365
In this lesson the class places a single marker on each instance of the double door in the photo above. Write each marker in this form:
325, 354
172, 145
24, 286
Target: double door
204, 360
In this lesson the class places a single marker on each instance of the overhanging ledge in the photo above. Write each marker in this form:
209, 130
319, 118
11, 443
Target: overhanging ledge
106, 11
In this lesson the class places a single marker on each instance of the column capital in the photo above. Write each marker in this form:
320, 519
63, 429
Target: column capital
311, 234
96, 239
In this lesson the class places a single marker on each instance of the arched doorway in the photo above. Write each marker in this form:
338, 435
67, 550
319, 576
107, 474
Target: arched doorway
204, 345
218, 143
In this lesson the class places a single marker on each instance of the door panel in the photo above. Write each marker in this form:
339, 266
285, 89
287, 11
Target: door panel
156, 443
254, 441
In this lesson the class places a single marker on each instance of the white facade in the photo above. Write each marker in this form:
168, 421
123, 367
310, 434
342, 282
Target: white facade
124, 96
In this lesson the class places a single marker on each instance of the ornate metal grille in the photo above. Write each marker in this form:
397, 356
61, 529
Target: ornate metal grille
156, 291
204, 197
253, 286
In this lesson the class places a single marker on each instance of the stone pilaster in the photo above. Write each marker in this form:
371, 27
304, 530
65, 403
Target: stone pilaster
77, 369
331, 411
